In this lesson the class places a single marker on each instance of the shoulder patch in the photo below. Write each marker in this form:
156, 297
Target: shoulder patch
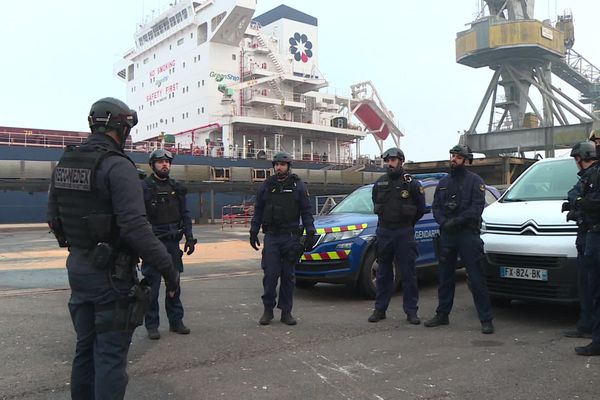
482, 187
421, 190
404, 194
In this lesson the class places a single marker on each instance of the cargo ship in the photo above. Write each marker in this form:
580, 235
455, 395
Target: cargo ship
220, 87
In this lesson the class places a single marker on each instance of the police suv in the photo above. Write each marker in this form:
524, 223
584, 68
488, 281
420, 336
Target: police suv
345, 253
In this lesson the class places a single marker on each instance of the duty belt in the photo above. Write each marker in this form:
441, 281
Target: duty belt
295, 231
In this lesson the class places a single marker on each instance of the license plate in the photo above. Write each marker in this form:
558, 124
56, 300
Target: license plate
534, 274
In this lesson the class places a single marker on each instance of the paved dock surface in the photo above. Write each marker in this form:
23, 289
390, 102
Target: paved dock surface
333, 352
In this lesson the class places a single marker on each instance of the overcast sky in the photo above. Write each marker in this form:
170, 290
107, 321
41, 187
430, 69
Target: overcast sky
57, 58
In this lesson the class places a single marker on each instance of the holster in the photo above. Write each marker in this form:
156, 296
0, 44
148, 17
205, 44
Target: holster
139, 301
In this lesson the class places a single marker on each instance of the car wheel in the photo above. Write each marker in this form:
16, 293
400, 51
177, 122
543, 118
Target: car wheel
305, 284
368, 276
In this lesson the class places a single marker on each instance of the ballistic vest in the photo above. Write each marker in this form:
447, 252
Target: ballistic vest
282, 211
394, 202
78, 198
164, 208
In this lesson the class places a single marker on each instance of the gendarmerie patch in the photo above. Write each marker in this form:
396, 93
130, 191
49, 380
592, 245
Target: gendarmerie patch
73, 178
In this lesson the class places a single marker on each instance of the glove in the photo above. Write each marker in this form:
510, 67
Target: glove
254, 240
309, 241
452, 224
171, 277
573, 216
566, 206
190, 246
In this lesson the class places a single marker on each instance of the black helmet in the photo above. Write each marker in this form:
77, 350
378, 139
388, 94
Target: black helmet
160, 154
586, 150
463, 150
282, 156
112, 114
393, 152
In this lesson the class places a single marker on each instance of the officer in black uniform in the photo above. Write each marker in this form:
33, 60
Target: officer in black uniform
96, 209
399, 202
281, 201
458, 203
167, 211
585, 157
586, 211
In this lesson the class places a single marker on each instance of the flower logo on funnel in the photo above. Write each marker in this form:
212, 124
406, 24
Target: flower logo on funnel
301, 47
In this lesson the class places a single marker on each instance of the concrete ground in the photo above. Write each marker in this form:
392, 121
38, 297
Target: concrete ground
333, 352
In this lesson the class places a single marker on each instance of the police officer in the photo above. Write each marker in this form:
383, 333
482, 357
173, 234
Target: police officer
281, 201
458, 202
168, 214
584, 154
399, 202
96, 209
586, 211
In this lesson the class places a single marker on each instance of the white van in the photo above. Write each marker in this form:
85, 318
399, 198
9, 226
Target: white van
529, 247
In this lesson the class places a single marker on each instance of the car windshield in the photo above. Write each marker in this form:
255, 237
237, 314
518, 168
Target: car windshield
358, 201
544, 181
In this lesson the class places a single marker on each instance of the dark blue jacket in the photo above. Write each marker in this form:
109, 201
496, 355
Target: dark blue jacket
465, 188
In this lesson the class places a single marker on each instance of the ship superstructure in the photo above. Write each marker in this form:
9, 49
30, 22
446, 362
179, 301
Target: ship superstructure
208, 77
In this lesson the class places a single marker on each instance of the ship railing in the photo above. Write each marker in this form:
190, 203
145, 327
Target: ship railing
236, 215
268, 92
212, 150
30, 139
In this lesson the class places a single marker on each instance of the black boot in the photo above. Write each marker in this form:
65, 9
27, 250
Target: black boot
487, 327
576, 333
439, 319
413, 319
180, 328
153, 334
266, 318
592, 349
377, 316
287, 318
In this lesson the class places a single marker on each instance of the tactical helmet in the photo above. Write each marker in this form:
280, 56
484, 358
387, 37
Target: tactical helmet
160, 154
586, 150
282, 157
463, 150
112, 114
393, 152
